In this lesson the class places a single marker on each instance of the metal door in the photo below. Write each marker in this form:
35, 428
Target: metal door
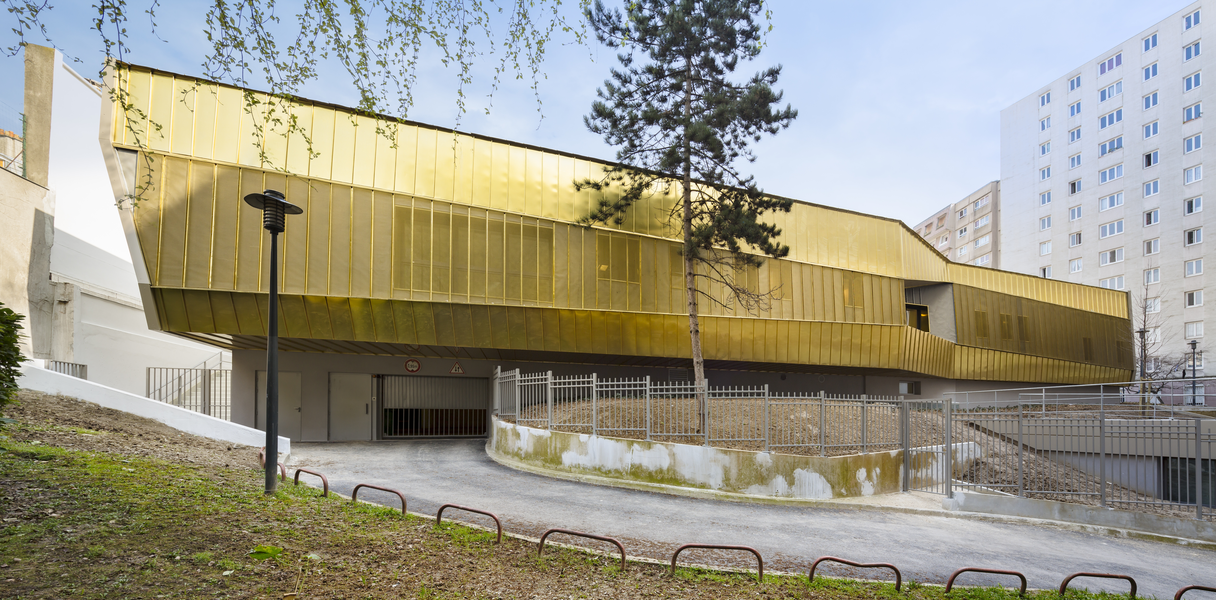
412, 406
350, 407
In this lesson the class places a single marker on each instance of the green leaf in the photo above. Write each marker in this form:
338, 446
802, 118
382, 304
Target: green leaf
264, 552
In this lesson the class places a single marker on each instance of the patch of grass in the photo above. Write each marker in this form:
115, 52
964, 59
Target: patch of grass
466, 536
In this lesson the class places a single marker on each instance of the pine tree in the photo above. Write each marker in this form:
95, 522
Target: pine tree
681, 124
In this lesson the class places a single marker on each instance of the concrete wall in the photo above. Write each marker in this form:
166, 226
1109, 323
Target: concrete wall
26, 227
734, 471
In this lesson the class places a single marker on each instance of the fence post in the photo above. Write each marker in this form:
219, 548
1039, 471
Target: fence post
864, 445
549, 395
767, 420
1021, 457
1199, 467
704, 393
1102, 454
822, 426
595, 396
648, 408
949, 453
905, 439
207, 392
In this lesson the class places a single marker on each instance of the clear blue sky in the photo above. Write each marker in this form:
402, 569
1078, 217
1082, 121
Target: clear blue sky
899, 101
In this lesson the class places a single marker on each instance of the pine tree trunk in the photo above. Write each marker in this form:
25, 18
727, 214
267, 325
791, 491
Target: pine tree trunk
690, 281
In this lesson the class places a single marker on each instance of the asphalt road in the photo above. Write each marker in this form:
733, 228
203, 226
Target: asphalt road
927, 548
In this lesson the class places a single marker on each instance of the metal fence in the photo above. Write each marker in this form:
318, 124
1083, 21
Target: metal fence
76, 370
742, 417
208, 391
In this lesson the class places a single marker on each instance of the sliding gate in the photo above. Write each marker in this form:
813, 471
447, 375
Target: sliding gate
412, 406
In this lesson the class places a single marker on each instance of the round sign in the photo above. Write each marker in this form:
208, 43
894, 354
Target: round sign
412, 365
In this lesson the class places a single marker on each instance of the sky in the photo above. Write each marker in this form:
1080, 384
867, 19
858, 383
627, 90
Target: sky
899, 101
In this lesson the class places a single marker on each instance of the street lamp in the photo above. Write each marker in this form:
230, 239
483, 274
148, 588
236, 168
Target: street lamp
274, 209
1193, 344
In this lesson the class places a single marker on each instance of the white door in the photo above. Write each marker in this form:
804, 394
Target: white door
350, 407
289, 404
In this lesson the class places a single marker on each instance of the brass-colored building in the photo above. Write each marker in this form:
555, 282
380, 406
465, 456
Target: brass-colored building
429, 252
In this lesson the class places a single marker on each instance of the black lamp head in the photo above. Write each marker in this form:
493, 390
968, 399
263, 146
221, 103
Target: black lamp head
274, 207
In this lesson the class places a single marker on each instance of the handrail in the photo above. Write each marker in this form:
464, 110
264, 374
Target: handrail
540, 548
1064, 584
439, 517
898, 577
1188, 588
760, 559
354, 496
950, 582
324, 481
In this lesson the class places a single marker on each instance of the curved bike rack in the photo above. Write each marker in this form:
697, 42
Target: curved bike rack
439, 517
262, 462
540, 548
354, 496
1188, 588
324, 481
1064, 584
898, 577
950, 583
760, 576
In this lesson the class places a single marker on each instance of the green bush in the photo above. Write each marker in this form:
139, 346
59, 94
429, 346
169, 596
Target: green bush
10, 354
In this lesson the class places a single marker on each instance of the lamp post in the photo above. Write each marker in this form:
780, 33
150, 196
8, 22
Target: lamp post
1143, 359
1193, 344
274, 209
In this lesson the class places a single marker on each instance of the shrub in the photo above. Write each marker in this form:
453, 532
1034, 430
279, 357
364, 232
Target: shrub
10, 354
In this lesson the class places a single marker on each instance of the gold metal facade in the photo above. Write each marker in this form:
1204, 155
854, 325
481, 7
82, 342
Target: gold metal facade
448, 242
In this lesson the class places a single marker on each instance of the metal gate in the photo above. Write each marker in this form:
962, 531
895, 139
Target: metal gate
412, 406
925, 432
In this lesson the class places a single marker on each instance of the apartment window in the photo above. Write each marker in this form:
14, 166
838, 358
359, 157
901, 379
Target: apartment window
1074, 135
983, 241
1192, 174
1074, 187
1191, 206
1152, 305
1150, 42
1074, 109
1110, 257
962, 232
1150, 71
962, 251
1045, 173
1194, 330
982, 221
942, 240
1074, 83
1193, 236
1150, 101
1194, 267
1110, 118
1110, 91
1074, 239
1192, 143
1151, 158
1152, 276
1045, 99
1194, 298
983, 260
1152, 246
1108, 229
1045, 123
1112, 283
1192, 112
1189, 82
1044, 198
1152, 188
1045, 223
1153, 337
1074, 265
1109, 64
1044, 148
1106, 175
1152, 217
982, 202
1074, 213
1111, 201
1044, 248
1074, 161
1151, 129
911, 388
1045, 272
1110, 146
1190, 21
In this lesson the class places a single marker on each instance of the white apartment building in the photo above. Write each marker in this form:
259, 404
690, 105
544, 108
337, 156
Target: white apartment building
967, 231
1102, 178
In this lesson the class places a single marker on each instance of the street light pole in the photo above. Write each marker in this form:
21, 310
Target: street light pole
1143, 359
274, 209
1193, 344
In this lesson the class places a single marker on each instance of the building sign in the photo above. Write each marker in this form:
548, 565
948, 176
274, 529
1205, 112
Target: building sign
456, 369
412, 365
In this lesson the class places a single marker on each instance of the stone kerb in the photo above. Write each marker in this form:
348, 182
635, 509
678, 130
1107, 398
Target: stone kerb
761, 474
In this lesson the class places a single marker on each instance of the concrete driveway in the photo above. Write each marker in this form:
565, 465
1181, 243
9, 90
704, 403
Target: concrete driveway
927, 548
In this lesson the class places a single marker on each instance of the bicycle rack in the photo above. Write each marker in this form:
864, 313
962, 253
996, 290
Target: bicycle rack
601, 538
950, 582
759, 559
262, 461
439, 517
1188, 588
1064, 584
898, 577
355, 494
324, 481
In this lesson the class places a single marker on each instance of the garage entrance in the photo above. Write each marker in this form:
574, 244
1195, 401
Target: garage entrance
433, 406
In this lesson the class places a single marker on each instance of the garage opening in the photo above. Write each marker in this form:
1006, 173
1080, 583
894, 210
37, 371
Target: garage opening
413, 406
